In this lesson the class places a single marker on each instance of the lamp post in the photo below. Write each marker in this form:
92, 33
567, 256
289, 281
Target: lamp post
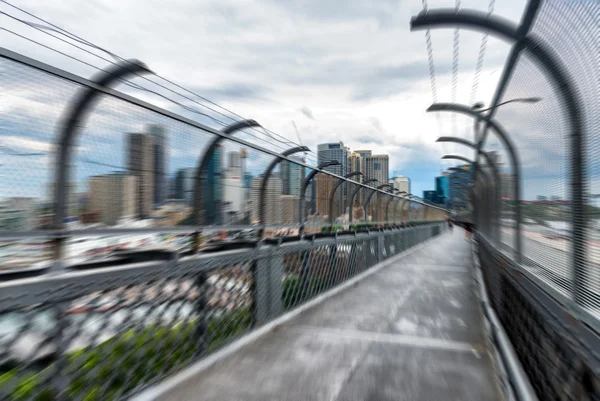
512, 152
305, 184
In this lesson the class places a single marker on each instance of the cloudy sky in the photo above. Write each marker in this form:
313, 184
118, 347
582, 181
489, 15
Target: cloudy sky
346, 71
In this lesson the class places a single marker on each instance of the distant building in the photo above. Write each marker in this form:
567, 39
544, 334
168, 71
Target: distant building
290, 209
72, 204
28, 207
507, 186
160, 148
184, 184
292, 175
442, 189
363, 158
355, 164
401, 183
140, 158
333, 151
272, 202
378, 167
113, 197
325, 184
233, 189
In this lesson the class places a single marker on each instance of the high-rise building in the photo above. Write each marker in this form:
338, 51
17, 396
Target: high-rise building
185, 184
290, 205
355, 164
233, 189
401, 183
272, 202
378, 167
159, 136
458, 190
507, 186
333, 151
113, 197
325, 184
140, 163
442, 189
363, 157
213, 188
292, 175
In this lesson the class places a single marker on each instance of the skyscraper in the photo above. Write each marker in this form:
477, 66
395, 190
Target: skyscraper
185, 184
292, 175
113, 197
290, 205
233, 188
378, 167
272, 202
325, 184
159, 135
355, 164
401, 183
213, 189
333, 151
140, 163
363, 157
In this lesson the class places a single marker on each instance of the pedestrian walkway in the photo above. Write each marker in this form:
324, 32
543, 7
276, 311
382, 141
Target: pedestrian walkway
412, 330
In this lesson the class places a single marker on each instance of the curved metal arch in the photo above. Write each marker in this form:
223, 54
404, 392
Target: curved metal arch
267, 174
490, 162
199, 212
512, 153
554, 69
392, 199
367, 181
340, 181
305, 184
371, 195
73, 120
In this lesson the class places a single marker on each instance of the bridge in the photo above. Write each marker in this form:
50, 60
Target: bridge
288, 275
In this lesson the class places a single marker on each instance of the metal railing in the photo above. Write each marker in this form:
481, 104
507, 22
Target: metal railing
239, 178
105, 334
532, 201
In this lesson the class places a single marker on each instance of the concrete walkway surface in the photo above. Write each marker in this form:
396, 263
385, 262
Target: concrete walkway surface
411, 331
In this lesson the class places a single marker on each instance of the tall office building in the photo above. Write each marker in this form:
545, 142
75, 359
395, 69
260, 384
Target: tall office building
458, 189
355, 164
401, 183
363, 157
140, 163
185, 184
159, 136
113, 197
326, 152
378, 167
325, 184
272, 202
292, 175
442, 189
290, 205
233, 189
333, 151
213, 188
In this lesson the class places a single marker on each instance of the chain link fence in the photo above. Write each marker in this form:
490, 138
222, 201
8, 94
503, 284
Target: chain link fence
105, 334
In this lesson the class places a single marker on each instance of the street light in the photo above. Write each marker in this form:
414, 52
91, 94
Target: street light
478, 106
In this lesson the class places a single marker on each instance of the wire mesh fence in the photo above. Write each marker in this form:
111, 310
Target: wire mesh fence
106, 334
135, 176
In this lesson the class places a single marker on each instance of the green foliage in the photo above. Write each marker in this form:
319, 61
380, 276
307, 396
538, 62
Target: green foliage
124, 362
